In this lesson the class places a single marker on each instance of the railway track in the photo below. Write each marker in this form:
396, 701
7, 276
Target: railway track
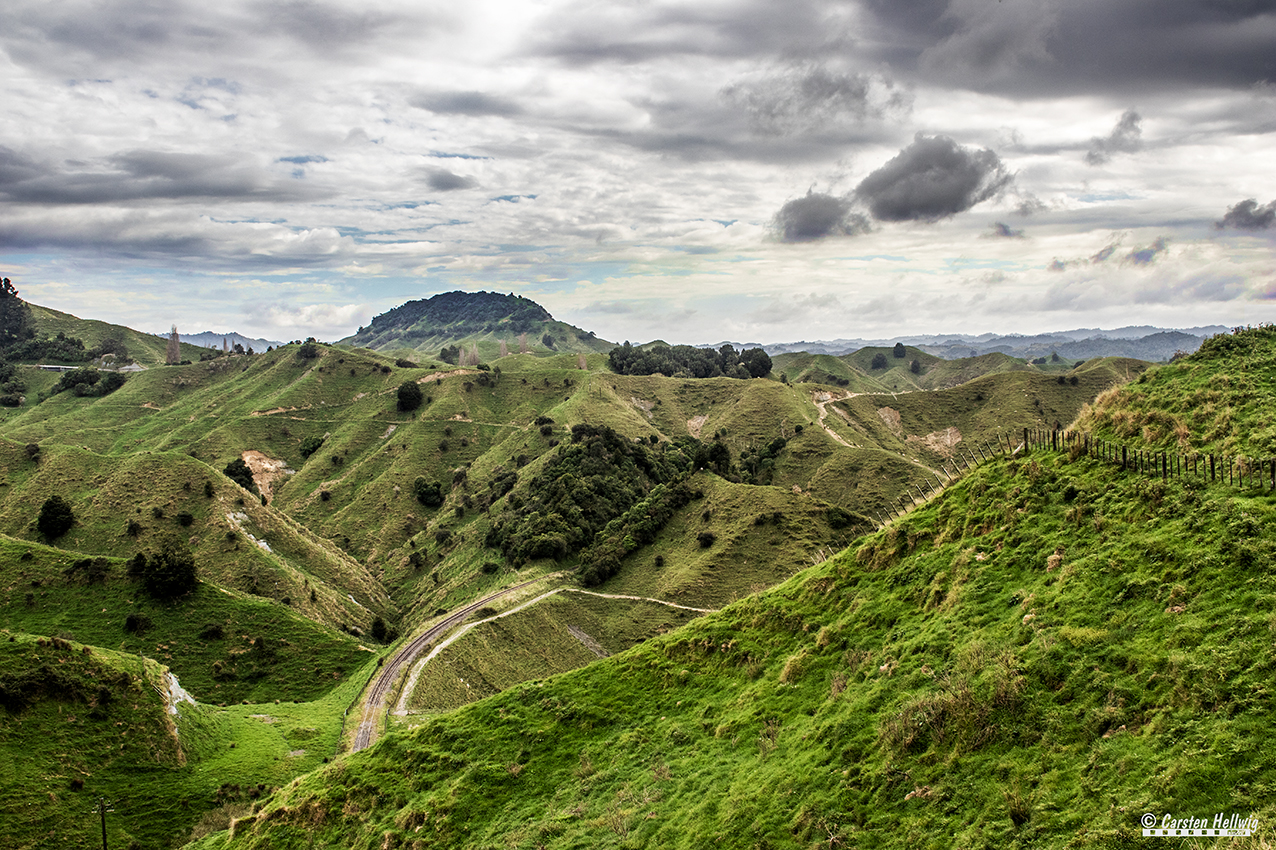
375, 702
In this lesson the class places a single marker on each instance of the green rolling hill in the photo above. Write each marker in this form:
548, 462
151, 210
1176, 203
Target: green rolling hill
376, 519
1038, 657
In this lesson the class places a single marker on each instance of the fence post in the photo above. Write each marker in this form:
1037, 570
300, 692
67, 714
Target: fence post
1124, 457
1212, 478
1164, 471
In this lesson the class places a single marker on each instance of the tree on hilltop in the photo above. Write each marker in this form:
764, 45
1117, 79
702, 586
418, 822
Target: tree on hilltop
899, 350
409, 396
15, 316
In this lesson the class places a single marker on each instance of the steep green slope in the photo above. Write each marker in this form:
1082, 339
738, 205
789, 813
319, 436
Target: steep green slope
1037, 658
1218, 399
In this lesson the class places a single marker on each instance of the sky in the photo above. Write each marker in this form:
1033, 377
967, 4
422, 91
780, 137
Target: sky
751, 170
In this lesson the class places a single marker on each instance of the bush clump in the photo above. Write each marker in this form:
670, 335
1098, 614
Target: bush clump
409, 396
56, 517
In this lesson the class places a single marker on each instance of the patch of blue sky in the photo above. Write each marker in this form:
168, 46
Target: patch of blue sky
963, 263
513, 199
868, 258
725, 222
1100, 197
447, 155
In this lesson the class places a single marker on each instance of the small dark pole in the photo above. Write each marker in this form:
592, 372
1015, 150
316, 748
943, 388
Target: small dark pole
1025, 440
101, 808
1212, 478
1164, 471
1124, 458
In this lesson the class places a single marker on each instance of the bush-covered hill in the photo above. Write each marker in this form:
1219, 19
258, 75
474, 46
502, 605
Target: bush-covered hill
1037, 658
485, 319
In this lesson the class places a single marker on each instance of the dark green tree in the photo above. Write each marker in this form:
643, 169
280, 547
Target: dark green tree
56, 517
15, 316
915, 367
169, 573
879, 361
899, 350
239, 472
410, 396
428, 493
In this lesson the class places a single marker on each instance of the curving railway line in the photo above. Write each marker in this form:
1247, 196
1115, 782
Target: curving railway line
374, 703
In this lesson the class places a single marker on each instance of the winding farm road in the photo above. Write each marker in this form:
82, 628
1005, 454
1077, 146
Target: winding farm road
375, 701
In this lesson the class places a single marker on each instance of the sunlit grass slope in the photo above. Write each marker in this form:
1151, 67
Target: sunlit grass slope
1034, 659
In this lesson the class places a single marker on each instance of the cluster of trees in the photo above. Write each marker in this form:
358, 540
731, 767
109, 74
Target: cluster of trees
166, 574
11, 385
87, 381
686, 361
588, 482
634, 529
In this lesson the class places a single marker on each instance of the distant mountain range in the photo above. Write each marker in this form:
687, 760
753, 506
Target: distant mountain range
1142, 342
213, 339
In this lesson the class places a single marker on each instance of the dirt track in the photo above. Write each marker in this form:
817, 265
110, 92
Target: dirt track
374, 702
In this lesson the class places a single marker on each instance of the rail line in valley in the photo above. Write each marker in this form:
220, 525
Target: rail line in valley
375, 702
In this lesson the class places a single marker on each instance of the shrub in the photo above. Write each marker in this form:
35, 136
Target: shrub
56, 517
239, 472
405, 364
310, 445
133, 528
137, 624
378, 630
208, 489
409, 396
170, 573
706, 539
879, 361
185, 519
308, 351
915, 367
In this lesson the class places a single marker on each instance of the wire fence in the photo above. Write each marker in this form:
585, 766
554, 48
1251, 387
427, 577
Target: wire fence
1238, 471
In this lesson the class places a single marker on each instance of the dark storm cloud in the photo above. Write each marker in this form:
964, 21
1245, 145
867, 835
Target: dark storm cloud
465, 103
1078, 46
145, 175
442, 180
1144, 256
931, 179
1126, 137
1247, 215
817, 215
813, 97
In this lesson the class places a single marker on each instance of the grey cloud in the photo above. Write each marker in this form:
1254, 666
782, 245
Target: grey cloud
1077, 46
1144, 256
931, 179
1001, 230
991, 41
812, 97
817, 215
1030, 204
465, 103
142, 174
1104, 253
1246, 215
1126, 137
589, 33
442, 180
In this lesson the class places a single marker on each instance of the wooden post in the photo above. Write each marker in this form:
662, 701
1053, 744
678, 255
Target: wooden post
1212, 478
1164, 471
1124, 457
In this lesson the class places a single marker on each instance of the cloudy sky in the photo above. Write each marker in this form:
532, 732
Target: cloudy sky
754, 170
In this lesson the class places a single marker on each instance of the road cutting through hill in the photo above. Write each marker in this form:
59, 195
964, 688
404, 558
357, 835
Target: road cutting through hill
374, 702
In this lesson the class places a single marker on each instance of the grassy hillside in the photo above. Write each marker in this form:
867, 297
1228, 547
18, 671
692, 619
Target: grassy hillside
146, 349
1036, 658
81, 722
1218, 399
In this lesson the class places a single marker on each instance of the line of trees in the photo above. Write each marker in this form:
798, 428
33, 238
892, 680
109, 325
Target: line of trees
686, 361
